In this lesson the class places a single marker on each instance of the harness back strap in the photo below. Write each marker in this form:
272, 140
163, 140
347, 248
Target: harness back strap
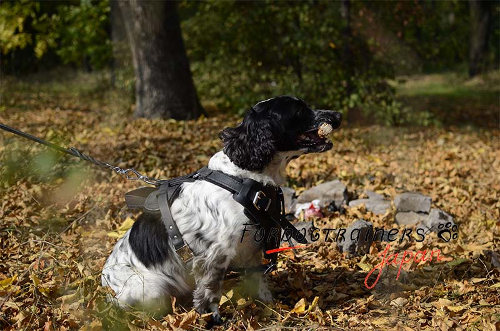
227, 182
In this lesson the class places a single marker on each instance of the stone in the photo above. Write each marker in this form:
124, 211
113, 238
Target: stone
303, 227
290, 200
411, 201
495, 258
361, 243
410, 218
376, 206
327, 192
374, 195
438, 220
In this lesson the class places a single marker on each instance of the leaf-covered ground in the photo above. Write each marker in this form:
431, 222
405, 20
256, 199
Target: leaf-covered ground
59, 219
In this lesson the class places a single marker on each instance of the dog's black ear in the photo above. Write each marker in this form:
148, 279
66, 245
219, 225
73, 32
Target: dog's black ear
251, 144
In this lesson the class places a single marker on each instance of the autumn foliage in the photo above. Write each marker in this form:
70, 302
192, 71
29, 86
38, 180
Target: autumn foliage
59, 219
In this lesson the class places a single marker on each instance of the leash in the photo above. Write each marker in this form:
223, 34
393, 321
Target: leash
130, 174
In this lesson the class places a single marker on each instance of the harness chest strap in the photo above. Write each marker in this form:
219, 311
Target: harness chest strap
249, 193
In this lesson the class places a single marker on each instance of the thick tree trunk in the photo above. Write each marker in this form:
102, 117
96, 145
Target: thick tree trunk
164, 86
480, 22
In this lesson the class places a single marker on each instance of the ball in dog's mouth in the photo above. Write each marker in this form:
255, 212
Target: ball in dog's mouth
324, 130
316, 140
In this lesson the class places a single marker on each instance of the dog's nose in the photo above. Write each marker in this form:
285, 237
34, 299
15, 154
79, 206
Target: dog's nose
338, 116
330, 116
337, 119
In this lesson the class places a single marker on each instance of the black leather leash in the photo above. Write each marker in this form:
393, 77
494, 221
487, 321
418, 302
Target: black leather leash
130, 174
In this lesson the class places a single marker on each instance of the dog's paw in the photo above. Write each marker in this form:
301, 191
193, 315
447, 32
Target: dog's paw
216, 319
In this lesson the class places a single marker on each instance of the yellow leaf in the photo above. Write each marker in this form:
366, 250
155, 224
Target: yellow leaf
365, 266
497, 285
381, 321
35, 280
300, 307
456, 309
109, 131
114, 234
313, 304
127, 224
478, 280
476, 247
483, 302
4, 284
44, 290
122, 229
226, 297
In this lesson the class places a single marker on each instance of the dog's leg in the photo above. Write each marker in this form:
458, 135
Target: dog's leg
209, 278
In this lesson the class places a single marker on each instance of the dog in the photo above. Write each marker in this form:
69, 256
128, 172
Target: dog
144, 269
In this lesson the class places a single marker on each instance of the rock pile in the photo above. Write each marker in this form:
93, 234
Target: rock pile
412, 209
415, 209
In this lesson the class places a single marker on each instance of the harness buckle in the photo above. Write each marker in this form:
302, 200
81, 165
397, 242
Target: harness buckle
185, 253
259, 201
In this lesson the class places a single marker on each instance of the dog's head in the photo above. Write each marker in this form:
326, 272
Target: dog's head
279, 124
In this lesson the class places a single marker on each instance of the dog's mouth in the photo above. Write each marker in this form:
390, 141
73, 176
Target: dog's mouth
316, 140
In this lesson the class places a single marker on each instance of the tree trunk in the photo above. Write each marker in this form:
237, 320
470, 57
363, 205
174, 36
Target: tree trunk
480, 22
164, 87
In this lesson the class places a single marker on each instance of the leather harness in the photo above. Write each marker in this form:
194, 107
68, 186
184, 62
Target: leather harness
263, 205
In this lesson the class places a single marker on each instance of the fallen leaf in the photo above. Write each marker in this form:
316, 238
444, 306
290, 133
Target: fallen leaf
299, 307
441, 303
399, 302
226, 297
6, 283
187, 319
122, 229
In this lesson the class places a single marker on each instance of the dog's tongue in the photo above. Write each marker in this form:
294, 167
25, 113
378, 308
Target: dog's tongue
324, 130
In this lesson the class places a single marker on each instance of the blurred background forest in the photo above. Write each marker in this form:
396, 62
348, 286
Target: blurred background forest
420, 62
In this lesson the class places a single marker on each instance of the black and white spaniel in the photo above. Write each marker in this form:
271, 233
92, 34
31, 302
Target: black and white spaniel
144, 270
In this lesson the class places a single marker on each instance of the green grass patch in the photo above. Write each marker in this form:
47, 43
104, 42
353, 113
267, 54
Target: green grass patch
453, 98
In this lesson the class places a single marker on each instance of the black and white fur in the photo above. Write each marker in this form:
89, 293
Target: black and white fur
143, 269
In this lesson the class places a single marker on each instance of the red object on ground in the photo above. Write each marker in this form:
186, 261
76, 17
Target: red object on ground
312, 211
